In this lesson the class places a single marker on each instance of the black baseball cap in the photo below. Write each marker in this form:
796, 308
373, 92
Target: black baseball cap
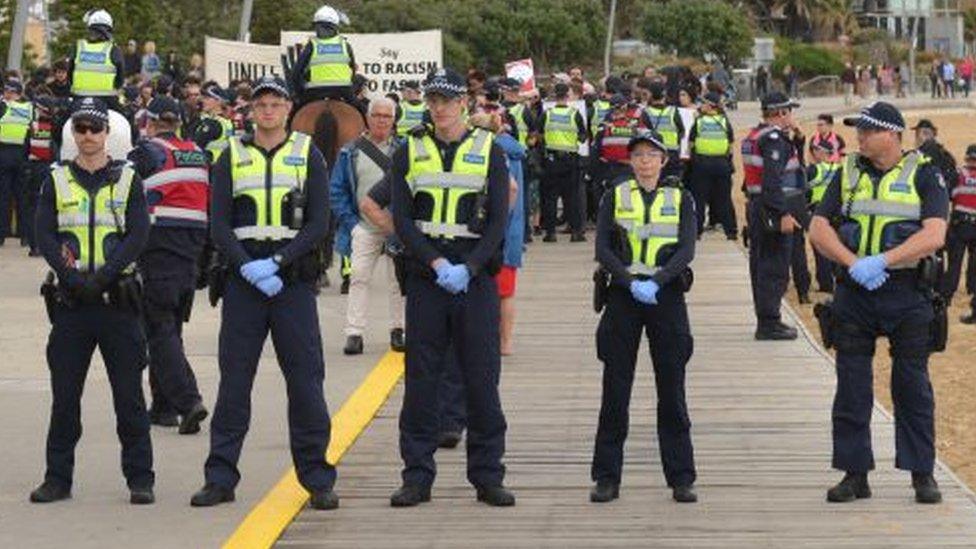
971, 151
650, 137
878, 116
657, 90
161, 106
90, 108
270, 84
561, 89
713, 98
411, 85
13, 85
446, 82
924, 124
214, 91
618, 100
776, 100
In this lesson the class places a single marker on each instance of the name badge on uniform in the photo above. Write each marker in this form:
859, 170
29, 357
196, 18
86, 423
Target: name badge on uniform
669, 210
93, 57
294, 160
472, 158
328, 49
898, 187
114, 203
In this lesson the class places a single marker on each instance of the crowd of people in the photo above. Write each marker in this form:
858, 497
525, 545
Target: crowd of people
448, 183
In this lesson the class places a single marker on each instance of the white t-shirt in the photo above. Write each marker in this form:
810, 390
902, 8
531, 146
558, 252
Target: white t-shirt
688, 116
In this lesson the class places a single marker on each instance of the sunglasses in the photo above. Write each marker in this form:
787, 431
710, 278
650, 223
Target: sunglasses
89, 127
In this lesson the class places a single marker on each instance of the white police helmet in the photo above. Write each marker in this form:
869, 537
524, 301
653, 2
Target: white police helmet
98, 17
327, 15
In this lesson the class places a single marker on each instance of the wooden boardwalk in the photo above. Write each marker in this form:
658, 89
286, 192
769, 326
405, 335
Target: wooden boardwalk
761, 430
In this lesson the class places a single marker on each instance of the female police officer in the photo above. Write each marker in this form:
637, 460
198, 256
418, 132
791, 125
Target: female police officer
645, 239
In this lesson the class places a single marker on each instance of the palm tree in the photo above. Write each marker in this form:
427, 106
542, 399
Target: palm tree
832, 18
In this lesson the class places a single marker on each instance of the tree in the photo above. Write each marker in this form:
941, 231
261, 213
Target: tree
969, 26
696, 28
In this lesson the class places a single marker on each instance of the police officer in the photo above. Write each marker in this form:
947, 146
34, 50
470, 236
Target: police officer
927, 143
775, 186
666, 121
563, 130
450, 210
962, 233
40, 154
326, 65
15, 123
645, 239
96, 66
519, 116
214, 130
270, 212
176, 178
890, 211
610, 157
710, 170
411, 110
819, 176
92, 223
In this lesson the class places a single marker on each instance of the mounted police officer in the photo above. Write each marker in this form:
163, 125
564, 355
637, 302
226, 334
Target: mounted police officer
775, 185
645, 240
176, 177
326, 65
96, 66
450, 210
882, 219
269, 213
92, 223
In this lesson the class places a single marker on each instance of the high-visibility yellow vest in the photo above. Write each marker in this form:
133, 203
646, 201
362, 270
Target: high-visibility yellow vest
217, 146
329, 65
600, 109
94, 72
15, 123
518, 113
712, 137
91, 225
562, 133
662, 121
878, 218
651, 229
410, 115
821, 180
265, 187
444, 201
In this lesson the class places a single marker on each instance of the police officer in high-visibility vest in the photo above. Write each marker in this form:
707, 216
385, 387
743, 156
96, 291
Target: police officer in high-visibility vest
40, 153
889, 209
326, 65
600, 109
450, 210
91, 224
563, 130
411, 110
819, 176
962, 234
666, 120
269, 214
176, 177
15, 124
710, 169
214, 130
96, 66
610, 154
645, 240
775, 185
519, 116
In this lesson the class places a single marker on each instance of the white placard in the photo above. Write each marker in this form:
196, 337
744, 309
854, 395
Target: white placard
228, 60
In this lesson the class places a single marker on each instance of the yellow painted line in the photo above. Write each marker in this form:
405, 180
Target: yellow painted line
269, 518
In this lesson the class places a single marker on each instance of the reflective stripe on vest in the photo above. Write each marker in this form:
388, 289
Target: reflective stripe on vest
428, 180
600, 109
181, 186
964, 193
662, 121
712, 138
752, 164
518, 113
562, 133
329, 64
16, 122
651, 228
218, 145
410, 116
869, 211
94, 72
266, 187
821, 180
87, 222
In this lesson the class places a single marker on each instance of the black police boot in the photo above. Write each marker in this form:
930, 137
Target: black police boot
211, 495
164, 419
968, 319
604, 491
684, 494
853, 486
344, 287
398, 340
776, 332
324, 500
926, 489
49, 491
142, 496
410, 495
354, 345
190, 424
550, 236
804, 299
449, 439
496, 496
577, 237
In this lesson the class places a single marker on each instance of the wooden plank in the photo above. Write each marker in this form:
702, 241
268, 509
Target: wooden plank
761, 429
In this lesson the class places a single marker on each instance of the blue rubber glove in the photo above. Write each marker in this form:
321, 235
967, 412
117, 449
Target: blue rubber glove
645, 291
270, 286
868, 270
258, 270
442, 269
456, 279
